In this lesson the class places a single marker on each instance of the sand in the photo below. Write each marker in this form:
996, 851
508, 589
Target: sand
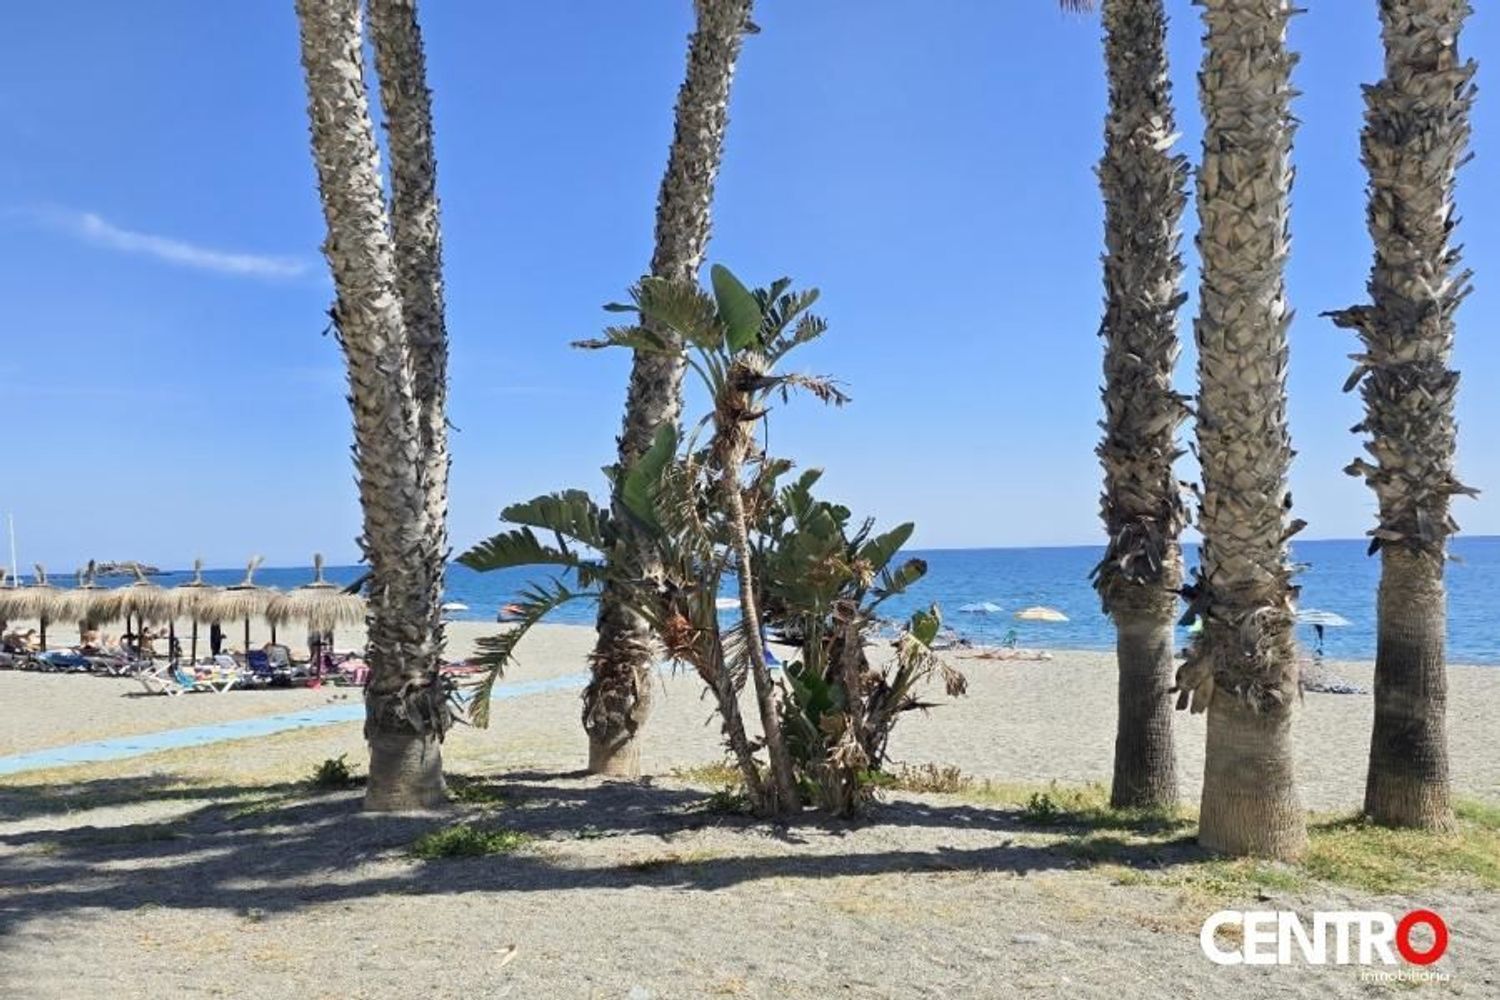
116, 880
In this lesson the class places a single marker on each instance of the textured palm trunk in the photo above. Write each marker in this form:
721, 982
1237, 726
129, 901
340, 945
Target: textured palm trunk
407, 103
617, 700
1242, 667
1253, 808
1145, 775
1408, 776
1415, 138
405, 713
1144, 187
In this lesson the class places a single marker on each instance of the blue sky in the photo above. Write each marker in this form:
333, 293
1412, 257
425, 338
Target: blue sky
168, 393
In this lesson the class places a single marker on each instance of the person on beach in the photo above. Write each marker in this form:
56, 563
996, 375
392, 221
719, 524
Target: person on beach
215, 639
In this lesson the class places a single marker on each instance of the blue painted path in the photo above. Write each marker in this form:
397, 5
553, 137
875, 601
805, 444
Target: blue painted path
175, 739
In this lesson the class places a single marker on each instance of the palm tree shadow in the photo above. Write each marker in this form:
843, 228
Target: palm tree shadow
304, 849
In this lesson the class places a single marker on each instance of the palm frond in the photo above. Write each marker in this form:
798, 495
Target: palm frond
825, 389
570, 513
535, 602
637, 338
684, 309
521, 547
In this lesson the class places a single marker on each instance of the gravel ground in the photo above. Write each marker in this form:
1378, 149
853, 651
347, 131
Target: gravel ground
207, 873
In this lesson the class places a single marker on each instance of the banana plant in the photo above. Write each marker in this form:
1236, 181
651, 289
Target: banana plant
694, 506
823, 585
734, 340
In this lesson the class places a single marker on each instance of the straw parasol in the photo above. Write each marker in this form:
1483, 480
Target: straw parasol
321, 604
146, 601
245, 599
195, 599
1040, 614
89, 601
40, 602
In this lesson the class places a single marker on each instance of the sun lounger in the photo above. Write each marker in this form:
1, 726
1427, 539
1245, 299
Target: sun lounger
156, 683
192, 682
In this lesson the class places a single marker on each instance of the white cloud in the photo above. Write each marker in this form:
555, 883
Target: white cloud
96, 229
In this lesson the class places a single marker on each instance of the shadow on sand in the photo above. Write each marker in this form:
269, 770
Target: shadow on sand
276, 849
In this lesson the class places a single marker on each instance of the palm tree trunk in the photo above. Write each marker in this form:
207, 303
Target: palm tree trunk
1408, 776
618, 698
1250, 802
407, 103
405, 714
1144, 188
1243, 665
1145, 775
1415, 138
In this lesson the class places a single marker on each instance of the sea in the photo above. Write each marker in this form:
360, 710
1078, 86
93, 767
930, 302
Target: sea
1335, 576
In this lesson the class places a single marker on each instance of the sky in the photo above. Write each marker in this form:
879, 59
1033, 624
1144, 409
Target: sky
169, 392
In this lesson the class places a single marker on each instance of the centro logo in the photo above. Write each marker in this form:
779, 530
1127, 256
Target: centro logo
1361, 936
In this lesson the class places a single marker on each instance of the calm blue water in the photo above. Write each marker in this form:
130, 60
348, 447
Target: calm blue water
1339, 577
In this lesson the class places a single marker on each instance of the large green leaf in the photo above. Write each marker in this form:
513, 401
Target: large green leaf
570, 513
643, 481
895, 581
879, 550
521, 547
683, 308
738, 310
924, 625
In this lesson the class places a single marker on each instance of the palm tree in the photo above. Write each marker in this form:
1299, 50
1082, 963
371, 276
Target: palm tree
1415, 137
1242, 668
407, 708
407, 103
1144, 186
617, 700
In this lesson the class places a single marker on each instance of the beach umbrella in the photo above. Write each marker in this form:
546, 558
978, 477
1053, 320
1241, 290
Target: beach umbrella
1327, 619
146, 601
245, 599
1040, 614
322, 605
1320, 620
194, 600
40, 602
89, 601
9, 597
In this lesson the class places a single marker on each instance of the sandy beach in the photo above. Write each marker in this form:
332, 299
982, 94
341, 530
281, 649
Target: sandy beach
112, 873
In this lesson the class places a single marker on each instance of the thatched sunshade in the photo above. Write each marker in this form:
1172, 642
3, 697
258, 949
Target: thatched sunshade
146, 601
243, 600
10, 597
39, 601
322, 605
1040, 614
194, 600
89, 601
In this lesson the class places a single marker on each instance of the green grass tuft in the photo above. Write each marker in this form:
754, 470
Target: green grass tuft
333, 773
474, 790
465, 841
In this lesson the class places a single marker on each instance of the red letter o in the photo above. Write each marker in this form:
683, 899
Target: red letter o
1439, 937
